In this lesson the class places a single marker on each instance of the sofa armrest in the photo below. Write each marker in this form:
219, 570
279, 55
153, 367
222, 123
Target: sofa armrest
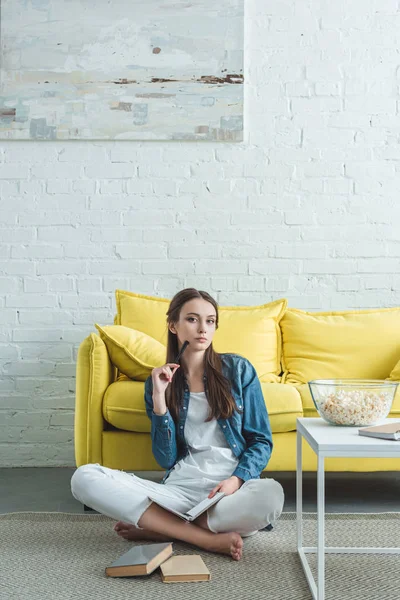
94, 373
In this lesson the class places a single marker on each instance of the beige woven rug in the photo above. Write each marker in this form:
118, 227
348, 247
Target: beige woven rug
61, 556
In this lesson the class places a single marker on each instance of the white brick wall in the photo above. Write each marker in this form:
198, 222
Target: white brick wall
306, 209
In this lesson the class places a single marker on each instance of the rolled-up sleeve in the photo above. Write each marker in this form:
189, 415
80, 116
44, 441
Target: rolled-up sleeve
256, 428
163, 434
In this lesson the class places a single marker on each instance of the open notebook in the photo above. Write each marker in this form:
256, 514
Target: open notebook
194, 512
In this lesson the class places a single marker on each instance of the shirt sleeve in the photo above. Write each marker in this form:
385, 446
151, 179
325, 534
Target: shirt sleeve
256, 428
163, 433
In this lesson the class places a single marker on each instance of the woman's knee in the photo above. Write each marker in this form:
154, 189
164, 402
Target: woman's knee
276, 497
80, 478
270, 501
269, 494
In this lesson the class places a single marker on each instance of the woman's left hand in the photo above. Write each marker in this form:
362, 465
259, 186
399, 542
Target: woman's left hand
228, 486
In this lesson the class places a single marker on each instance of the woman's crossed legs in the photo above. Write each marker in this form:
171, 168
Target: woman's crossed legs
124, 496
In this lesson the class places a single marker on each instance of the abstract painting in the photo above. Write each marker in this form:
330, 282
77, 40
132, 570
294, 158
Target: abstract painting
121, 70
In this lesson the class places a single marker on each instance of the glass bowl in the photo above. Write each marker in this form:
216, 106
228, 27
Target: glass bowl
353, 402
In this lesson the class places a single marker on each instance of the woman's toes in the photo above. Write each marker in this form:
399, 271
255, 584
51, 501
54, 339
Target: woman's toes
120, 526
237, 547
236, 554
123, 533
126, 530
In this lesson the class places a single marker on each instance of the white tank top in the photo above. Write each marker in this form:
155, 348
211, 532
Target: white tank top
209, 454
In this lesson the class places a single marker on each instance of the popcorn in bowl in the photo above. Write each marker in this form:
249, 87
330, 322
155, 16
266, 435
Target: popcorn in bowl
353, 402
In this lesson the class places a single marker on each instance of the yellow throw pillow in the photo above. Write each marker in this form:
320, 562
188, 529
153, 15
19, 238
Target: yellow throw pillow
133, 352
144, 313
361, 344
251, 331
395, 373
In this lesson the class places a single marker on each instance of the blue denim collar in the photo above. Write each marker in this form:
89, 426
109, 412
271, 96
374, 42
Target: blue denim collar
186, 381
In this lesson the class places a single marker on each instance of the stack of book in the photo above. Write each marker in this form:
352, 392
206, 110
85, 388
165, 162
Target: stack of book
143, 560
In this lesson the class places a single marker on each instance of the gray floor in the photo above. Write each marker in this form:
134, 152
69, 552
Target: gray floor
48, 489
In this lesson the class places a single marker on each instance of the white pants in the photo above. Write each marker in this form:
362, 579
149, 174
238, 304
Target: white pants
124, 496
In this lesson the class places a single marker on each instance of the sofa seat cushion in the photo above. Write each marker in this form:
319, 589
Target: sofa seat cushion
354, 344
284, 406
124, 408
309, 409
261, 345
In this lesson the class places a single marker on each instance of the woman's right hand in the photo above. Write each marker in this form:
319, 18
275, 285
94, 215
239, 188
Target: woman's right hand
162, 376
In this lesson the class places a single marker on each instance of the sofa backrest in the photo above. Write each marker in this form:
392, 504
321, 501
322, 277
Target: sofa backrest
361, 344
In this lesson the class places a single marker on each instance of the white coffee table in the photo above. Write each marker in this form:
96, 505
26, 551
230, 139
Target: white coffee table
332, 441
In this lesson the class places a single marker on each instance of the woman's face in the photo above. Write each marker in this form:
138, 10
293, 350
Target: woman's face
197, 322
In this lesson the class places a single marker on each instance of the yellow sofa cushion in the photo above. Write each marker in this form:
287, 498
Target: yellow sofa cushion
144, 313
251, 331
133, 352
343, 344
124, 408
395, 373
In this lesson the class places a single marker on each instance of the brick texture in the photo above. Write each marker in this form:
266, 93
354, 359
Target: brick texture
307, 208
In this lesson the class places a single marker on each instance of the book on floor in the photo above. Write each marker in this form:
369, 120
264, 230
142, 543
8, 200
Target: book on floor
390, 431
184, 568
194, 512
140, 560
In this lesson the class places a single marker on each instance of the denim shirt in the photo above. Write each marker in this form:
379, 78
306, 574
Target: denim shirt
248, 433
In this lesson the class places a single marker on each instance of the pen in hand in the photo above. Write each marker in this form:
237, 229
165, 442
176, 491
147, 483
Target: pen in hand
184, 346
167, 372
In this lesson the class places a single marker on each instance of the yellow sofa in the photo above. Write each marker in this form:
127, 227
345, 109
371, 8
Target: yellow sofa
288, 347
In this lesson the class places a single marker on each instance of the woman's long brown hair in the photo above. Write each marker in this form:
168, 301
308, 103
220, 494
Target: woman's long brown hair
219, 395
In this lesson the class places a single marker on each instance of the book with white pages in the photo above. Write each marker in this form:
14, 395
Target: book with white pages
389, 431
194, 512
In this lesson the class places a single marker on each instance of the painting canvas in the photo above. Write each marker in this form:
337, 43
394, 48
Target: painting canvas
121, 70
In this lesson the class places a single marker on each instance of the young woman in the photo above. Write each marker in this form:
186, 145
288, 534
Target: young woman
210, 431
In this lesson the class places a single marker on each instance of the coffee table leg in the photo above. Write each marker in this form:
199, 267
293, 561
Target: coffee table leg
321, 527
317, 586
299, 493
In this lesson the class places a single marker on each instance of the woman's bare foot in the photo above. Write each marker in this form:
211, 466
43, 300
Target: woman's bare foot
130, 532
228, 543
223, 543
